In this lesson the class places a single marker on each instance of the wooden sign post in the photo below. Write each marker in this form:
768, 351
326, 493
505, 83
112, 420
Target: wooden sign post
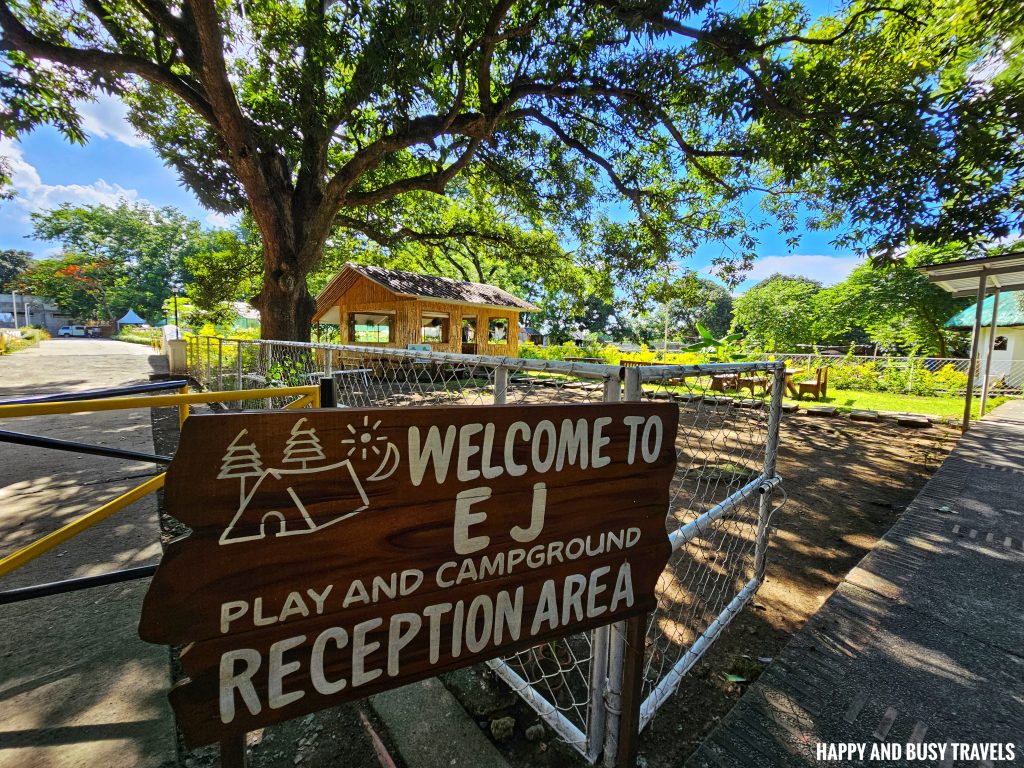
341, 552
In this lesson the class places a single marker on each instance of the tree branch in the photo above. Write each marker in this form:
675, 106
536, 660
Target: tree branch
18, 37
846, 31
487, 46
634, 195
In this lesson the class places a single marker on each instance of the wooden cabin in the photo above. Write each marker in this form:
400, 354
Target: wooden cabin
373, 306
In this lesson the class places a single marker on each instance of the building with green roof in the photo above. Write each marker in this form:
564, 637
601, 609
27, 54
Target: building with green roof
1008, 350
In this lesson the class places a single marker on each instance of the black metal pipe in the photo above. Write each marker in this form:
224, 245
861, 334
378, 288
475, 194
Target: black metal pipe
35, 441
328, 397
73, 585
99, 394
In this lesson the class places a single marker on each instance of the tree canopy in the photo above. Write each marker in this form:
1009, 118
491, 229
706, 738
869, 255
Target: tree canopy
13, 263
117, 258
358, 116
894, 306
680, 306
779, 313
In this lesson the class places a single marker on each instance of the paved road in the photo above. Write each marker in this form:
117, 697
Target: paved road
923, 641
77, 686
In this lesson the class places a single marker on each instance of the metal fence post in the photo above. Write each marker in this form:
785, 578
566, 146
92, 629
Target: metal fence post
220, 364
632, 692
615, 692
613, 388
764, 504
600, 638
500, 385
238, 365
328, 362
634, 390
328, 398
238, 371
182, 408
209, 362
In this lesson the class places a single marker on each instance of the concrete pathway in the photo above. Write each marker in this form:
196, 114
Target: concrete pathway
77, 686
923, 641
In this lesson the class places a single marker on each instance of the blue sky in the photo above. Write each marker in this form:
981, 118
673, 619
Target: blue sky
48, 171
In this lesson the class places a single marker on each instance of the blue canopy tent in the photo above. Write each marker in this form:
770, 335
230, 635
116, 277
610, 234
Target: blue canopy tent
130, 318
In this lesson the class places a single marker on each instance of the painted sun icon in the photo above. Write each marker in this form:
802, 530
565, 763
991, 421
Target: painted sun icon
364, 439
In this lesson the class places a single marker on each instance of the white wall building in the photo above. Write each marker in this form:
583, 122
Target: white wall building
1008, 351
31, 310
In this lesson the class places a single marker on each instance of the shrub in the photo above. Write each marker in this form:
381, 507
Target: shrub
33, 334
888, 375
609, 353
140, 335
23, 338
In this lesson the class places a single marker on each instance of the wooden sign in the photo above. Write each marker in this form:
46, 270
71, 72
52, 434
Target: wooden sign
337, 553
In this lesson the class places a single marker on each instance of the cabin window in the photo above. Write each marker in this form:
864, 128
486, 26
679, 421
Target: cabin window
434, 327
468, 330
1000, 344
497, 330
370, 327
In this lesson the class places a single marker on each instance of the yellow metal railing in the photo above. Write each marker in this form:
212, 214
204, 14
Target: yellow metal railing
308, 395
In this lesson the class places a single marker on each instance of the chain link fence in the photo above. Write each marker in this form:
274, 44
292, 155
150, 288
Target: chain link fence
719, 509
941, 376
717, 520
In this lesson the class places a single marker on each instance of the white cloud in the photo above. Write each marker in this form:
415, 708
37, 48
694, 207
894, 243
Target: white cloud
106, 118
221, 220
32, 194
827, 269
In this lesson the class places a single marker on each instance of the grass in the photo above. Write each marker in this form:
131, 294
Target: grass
889, 401
850, 400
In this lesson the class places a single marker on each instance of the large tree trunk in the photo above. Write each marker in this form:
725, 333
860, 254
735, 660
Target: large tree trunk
285, 305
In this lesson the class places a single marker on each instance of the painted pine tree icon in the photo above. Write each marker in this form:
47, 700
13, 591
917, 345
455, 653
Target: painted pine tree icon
241, 461
303, 446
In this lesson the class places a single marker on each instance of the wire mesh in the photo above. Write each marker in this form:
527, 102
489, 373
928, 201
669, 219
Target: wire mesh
722, 445
556, 678
714, 512
940, 376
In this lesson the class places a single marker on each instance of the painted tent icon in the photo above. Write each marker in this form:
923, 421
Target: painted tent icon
288, 516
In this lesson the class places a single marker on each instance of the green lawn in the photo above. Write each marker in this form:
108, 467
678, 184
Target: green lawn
888, 401
849, 400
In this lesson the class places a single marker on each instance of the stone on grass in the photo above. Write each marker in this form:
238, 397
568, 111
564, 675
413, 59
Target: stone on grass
909, 420
863, 415
822, 410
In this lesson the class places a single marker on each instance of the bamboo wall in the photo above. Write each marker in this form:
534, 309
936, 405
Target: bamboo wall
366, 296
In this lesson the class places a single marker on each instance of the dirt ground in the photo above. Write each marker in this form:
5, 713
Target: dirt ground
847, 483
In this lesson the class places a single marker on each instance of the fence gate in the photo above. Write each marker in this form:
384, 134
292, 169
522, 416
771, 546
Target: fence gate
717, 521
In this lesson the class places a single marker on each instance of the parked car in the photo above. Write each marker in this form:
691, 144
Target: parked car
71, 330
93, 331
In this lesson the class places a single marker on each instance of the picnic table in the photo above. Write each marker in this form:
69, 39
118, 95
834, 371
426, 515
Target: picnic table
723, 381
790, 385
